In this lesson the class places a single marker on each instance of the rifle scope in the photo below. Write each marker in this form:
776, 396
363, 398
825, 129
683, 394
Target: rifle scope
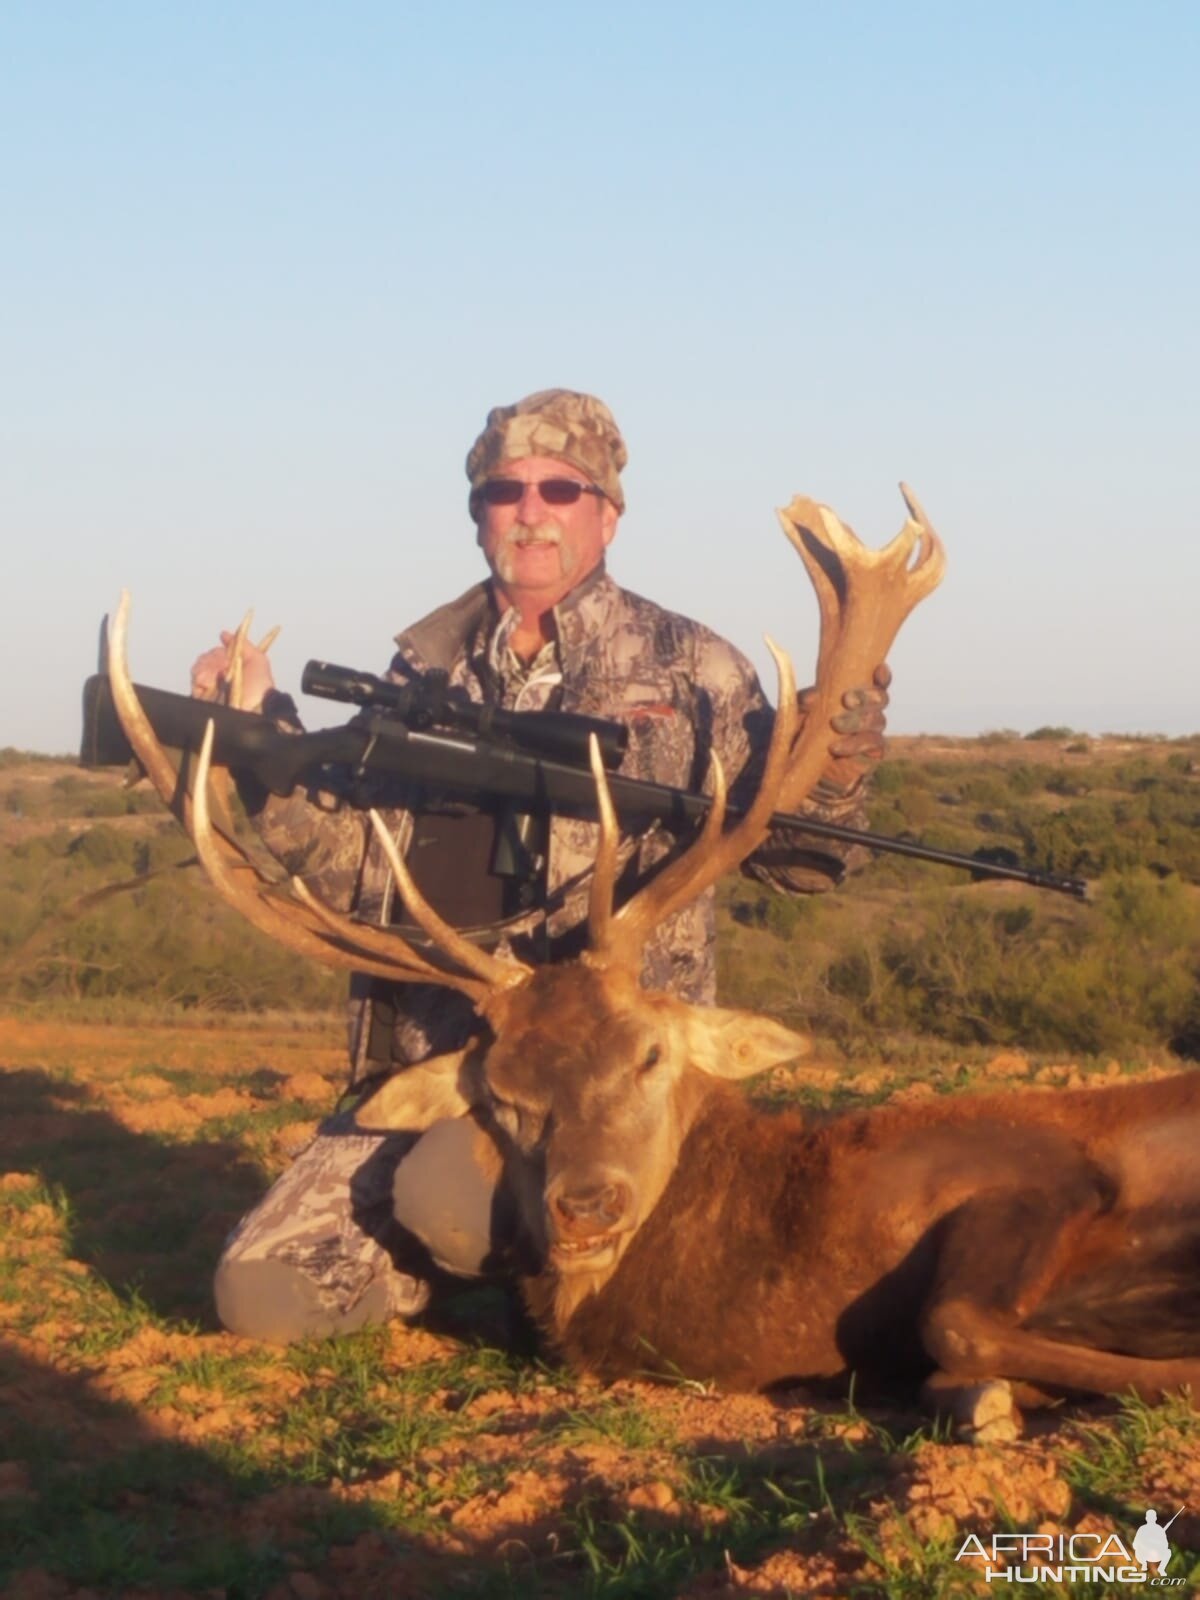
428, 702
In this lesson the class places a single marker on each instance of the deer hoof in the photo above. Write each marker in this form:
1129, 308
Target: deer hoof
979, 1413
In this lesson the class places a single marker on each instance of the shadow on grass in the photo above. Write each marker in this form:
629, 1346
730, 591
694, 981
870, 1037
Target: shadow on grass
149, 1215
96, 1496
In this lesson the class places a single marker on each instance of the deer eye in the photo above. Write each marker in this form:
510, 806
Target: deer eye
651, 1059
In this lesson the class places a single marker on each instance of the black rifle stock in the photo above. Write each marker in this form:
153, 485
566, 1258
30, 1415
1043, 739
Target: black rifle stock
454, 764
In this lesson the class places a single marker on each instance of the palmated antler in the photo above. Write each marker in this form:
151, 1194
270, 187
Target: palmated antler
863, 595
298, 920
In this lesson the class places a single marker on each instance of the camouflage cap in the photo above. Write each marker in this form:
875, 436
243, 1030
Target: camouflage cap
559, 423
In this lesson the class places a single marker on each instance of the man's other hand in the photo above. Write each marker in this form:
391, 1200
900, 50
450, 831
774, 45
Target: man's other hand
212, 673
859, 745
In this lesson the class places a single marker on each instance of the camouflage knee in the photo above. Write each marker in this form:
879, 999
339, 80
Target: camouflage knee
448, 1192
309, 1259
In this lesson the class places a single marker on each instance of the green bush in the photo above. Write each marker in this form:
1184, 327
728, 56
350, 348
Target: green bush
1068, 784
964, 967
897, 777
103, 847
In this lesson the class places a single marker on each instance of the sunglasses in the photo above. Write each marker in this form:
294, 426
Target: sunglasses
553, 491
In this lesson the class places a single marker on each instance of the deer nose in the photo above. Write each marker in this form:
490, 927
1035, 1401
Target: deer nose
592, 1207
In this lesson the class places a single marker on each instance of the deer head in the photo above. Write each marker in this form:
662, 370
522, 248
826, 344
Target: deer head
589, 1082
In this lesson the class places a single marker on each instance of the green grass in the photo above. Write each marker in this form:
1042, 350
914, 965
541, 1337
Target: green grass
133, 1522
920, 1570
619, 1422
111, 1318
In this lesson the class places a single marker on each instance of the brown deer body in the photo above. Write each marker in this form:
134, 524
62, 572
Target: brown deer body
1053, 1239
1048, 1237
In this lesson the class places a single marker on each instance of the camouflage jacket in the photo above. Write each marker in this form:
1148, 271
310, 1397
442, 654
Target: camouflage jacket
680, 689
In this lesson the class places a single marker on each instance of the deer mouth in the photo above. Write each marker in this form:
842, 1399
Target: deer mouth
574, 1255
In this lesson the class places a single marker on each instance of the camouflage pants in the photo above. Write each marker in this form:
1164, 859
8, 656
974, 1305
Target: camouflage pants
325, 1250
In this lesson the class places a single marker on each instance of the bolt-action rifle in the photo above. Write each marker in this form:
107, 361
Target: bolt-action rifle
439, 744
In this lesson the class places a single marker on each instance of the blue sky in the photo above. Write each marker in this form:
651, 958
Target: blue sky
266, 267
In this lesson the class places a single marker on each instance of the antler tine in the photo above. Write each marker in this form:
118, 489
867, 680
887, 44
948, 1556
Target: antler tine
313, 930
134, 721
237, 661
496, 974
143, 741
604, 874
220, 781
291, 924
386, 945
712, 854
932, 556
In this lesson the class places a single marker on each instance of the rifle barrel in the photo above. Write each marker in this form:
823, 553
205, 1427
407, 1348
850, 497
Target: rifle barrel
457, 764
885, 843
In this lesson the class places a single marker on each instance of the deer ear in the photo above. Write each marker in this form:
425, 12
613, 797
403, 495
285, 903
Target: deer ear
737, 1044
416, 1097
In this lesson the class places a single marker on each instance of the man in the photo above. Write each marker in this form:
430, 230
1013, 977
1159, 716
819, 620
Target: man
548, 630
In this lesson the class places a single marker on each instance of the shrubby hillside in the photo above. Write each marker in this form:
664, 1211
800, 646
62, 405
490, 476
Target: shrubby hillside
102, 902
909, 948
903, 949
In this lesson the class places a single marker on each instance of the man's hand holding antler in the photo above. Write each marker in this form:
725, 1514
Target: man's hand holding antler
213, 672
859, 746
790, 860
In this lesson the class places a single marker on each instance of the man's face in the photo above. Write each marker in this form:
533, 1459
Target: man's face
538, 552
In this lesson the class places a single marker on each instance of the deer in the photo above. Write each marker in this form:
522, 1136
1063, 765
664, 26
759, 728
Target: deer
997, 1247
